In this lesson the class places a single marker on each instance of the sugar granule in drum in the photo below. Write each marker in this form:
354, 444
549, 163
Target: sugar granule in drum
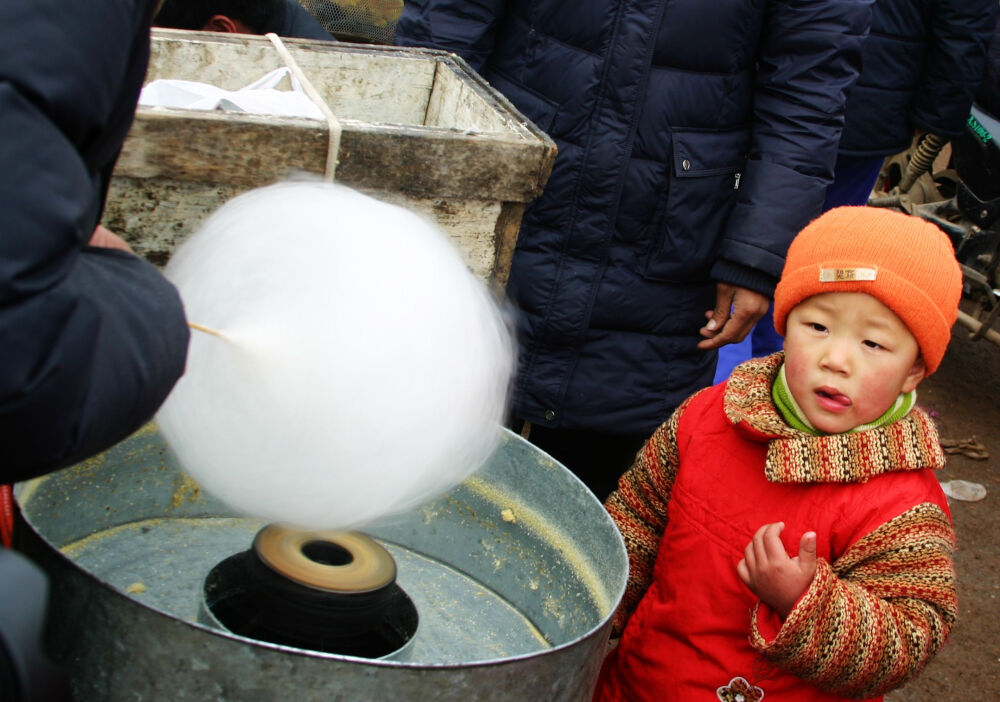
363, 369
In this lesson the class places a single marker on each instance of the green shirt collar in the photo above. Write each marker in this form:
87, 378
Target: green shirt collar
796, 418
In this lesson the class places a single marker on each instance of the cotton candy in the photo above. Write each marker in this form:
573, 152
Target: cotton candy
363, 370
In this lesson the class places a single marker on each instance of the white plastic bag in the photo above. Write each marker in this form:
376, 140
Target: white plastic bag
964, 490
260, 97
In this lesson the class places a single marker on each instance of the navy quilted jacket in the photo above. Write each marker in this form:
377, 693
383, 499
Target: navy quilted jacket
922, 63
91, 340
695, 139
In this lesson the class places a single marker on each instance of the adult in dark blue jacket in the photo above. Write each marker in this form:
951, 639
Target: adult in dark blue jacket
91, 339
922, 63
695, 139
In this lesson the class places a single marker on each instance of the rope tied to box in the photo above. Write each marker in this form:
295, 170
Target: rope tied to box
332, 123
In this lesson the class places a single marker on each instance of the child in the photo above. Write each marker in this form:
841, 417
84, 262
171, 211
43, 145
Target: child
817, 451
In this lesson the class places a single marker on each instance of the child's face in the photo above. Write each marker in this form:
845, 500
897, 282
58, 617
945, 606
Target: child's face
847, 359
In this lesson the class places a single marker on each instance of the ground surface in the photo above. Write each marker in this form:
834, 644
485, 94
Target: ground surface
965, 397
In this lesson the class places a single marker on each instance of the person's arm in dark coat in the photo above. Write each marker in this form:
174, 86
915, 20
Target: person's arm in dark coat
810, 55
91, 339
958, 41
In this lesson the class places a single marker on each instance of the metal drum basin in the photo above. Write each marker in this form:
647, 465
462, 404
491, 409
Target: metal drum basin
515, 574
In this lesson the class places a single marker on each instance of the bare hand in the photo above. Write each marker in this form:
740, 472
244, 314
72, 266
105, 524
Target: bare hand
736, 311
106, 239
778, 580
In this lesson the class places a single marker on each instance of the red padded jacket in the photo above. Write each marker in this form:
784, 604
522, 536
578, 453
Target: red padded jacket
883, 599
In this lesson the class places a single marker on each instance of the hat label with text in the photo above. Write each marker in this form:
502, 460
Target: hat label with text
842, 275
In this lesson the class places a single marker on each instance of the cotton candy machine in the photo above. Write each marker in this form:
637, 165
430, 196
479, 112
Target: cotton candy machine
501, 589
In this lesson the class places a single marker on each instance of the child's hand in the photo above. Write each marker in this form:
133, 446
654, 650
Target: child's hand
771, 574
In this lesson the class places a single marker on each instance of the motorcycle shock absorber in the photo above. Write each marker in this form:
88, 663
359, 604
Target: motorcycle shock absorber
921, 161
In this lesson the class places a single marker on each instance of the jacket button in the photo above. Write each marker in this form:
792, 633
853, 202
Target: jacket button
549, 415
686, 165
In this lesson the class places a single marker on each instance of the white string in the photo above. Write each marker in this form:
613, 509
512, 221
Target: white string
332, 123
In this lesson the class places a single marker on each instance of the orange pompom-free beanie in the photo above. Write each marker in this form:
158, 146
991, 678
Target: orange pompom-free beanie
908, 264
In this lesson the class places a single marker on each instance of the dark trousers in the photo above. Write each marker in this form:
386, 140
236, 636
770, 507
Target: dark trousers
596, 458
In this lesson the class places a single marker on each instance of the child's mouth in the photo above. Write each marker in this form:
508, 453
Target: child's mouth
831, 399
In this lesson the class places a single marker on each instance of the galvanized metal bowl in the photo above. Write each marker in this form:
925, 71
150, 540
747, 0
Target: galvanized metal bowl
515, 574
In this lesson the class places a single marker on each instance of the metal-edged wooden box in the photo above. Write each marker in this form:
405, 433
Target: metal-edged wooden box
417, 127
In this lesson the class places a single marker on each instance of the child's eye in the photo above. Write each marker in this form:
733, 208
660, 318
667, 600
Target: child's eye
816, 326
872, 344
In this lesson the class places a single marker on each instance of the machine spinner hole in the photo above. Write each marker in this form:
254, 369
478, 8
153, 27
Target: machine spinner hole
244, 596
327, 553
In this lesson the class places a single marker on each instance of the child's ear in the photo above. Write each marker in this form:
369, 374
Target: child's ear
917, 373
220, 23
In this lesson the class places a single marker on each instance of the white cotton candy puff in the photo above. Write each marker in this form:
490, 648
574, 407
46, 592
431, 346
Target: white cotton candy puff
364, 371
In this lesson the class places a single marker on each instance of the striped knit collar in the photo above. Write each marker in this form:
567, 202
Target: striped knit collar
793, 414
796, 456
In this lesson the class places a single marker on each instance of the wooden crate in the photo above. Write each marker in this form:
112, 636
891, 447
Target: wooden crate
418, 128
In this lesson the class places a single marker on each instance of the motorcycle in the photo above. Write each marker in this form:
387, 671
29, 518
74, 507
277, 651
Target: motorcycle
956, 186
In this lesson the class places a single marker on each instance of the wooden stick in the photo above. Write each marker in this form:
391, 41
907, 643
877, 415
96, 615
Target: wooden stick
967, 320
207, 330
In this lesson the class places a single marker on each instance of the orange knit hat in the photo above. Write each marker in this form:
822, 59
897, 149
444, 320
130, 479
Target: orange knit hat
907, 263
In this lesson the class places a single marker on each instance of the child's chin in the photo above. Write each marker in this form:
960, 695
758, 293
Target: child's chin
831, 425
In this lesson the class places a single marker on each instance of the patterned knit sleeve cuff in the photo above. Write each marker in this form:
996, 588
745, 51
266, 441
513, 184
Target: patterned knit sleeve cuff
766, 624
790, 643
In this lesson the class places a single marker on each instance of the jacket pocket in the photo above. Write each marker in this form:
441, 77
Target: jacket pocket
702, 189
